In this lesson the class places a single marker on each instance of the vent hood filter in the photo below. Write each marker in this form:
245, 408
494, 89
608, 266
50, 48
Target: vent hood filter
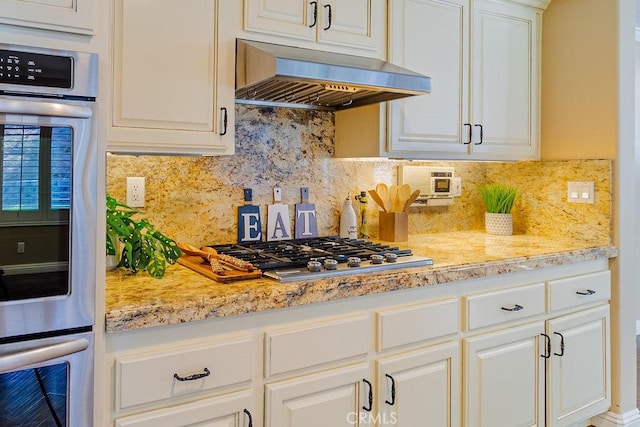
269, 74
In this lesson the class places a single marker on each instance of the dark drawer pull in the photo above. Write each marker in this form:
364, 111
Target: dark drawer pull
246, 411
561, 344
393, 391
193, 377
516, 307
547, 354
370, 396
587, 292
225, 121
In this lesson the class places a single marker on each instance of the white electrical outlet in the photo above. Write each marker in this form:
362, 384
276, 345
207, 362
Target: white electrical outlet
135, 191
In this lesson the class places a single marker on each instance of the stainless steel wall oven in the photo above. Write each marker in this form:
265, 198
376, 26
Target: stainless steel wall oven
48, 163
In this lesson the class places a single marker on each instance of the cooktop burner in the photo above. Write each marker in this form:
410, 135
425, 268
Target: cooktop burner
289, 260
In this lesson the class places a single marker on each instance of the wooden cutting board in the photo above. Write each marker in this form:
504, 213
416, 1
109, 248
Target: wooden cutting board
199, 265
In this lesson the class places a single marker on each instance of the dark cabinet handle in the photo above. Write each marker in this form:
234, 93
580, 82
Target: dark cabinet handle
328, 26
246, 411
393, 391
561, 345
587, 292
481, 135
315, 13
193, 377
224, 121
370, 396
470, 133
548, 340
516, 307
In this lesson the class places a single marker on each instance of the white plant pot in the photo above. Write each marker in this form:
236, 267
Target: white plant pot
498, 223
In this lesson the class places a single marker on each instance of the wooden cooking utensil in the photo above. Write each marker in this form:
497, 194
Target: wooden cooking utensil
211, 255
383, 192
404, 192
411, 199
393, 197
379, 201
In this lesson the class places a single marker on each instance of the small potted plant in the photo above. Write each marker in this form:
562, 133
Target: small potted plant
137, 245
498, 201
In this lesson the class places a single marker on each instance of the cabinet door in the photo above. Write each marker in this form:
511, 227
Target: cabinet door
232, 410
504, 381
352, 23
290, 18
430, 37
165, 76
69, 16
579, 368
504, 80
420, 388
331, 398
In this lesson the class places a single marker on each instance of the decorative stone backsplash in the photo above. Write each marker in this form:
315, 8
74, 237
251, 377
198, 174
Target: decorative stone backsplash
194, 199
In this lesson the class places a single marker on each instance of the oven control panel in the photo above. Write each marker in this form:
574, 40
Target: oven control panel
35, 69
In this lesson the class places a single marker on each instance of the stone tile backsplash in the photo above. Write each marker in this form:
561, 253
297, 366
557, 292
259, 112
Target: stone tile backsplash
194, 199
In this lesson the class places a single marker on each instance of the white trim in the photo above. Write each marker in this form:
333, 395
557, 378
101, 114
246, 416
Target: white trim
638, 327
638, 34
611, 419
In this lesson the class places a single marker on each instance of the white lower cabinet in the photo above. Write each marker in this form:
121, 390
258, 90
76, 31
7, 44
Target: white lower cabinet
552, 372
420, 388
338, 397
504, 381
233, 410
530, 350
578, 371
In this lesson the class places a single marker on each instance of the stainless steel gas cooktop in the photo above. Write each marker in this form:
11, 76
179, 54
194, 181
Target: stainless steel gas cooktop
301, 259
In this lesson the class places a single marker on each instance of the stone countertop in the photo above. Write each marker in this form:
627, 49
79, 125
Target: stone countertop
139, 301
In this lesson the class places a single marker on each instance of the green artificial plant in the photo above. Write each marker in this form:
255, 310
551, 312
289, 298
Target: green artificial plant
142, 246
498, 198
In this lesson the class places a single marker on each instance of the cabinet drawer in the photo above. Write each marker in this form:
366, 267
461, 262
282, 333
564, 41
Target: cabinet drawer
578, 290
219, 411
316, 344
418, 322
151, 377
490, 308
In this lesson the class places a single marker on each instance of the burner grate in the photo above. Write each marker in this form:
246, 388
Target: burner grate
296, 253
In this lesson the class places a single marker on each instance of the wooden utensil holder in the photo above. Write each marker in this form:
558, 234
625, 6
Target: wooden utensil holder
393, 226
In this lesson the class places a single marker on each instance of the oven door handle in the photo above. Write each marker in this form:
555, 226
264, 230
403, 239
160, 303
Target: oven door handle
23, 359
43, 108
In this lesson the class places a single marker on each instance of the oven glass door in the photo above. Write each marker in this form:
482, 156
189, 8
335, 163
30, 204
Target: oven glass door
35, 200
47, 382
47, 215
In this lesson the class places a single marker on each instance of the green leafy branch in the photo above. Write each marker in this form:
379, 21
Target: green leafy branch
142, 246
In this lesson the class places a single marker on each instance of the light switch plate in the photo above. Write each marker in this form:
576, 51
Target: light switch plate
457, 186
580, 192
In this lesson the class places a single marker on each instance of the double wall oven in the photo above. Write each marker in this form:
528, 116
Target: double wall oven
48, 164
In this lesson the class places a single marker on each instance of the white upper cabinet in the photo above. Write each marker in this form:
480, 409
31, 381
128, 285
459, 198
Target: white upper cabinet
173, 78
352, 26
431, 37
483, 58
69, 16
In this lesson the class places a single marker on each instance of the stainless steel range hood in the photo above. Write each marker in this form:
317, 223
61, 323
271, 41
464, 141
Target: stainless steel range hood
270, 74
